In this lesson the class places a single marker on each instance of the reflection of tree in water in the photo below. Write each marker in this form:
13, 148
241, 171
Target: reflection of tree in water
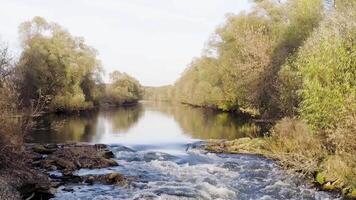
207, 124
63, 128
123, 118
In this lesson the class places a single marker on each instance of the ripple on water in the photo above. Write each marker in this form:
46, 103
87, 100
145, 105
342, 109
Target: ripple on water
194, 175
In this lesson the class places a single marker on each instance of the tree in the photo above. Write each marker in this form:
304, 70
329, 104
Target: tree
123, 89
56, 65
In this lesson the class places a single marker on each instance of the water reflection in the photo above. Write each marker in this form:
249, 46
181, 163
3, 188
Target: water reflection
206, 123
148, 123
122, 119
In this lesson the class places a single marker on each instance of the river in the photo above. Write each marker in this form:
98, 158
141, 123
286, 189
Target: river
157, 145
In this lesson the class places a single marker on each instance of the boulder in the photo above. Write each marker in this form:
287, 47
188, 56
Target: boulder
42, 149
115, 178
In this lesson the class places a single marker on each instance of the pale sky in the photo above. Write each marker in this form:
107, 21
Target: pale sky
152, 40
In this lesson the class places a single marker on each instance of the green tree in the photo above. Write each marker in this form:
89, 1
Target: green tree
56, 65
123, 89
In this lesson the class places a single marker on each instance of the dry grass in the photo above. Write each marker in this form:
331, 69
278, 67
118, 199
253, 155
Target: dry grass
341, 166
292, 143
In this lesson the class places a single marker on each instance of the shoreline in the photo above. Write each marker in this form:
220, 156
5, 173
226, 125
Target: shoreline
66, 158
32, 177
254, 147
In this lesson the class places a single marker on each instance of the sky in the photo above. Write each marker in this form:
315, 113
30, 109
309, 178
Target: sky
152, 40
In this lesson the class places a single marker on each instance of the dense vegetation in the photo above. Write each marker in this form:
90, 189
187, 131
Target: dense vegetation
61, 73
123, 89
292, 59
55, 72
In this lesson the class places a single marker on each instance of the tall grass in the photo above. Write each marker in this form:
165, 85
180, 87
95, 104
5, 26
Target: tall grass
293, 144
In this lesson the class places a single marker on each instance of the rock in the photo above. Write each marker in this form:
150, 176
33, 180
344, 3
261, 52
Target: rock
70, 178
65, 164
111, 162
68, 189
90, 180
108, 154
42, 150
56, 184
51, 146
77, 163
100, 146
115, 178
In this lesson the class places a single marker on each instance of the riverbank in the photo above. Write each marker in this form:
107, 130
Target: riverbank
39, 170
257, 146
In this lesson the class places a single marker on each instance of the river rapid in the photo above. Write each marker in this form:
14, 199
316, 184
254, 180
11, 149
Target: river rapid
157, 147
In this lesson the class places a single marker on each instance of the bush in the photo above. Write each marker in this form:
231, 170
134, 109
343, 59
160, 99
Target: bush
327, 66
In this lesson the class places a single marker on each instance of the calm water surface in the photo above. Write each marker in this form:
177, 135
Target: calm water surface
158, 144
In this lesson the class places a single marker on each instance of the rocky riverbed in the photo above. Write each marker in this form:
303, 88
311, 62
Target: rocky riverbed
85, 171
49, 166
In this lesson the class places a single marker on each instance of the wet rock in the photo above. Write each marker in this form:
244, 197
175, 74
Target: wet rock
42, 149
70, 178
56, 184
122, 148
90, 180
66, 189
65, 164
115, 178
100, 146
108, 154
157, 156
111, 179
51, 146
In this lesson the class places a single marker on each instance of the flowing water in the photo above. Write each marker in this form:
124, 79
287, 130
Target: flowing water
157, 145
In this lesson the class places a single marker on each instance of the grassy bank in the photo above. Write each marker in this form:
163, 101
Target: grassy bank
329, 162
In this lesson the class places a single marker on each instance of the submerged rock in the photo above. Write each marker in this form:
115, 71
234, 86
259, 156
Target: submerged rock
110, 179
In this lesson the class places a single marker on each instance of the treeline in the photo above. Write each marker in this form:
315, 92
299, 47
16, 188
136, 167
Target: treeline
55, 72
162, 93
59, 72
293, 59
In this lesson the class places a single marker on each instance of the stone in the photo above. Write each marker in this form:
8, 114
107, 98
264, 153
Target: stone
111, 162
114, 178
100, 146
66, 189
90, 180
42, 150
108, 154
56, 184
65, 164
